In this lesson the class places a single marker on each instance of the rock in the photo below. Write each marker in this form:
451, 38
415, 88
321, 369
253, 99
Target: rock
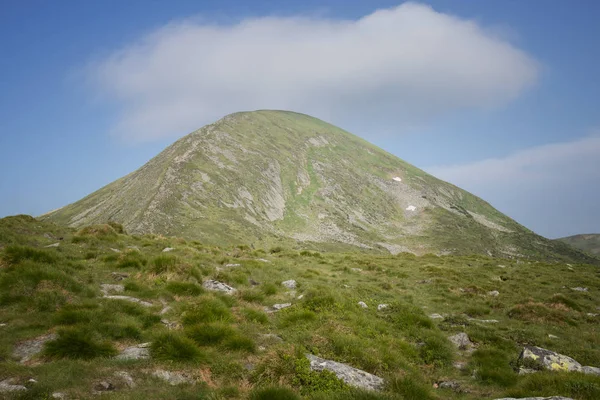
106, 288
551, 336
580, 289
165, 310
278, 307
461, 341
436, 316
232, 265
119, 276
555, 361
104, 386
168, 249
173, 378
7, 386
449, 385
218, 286
291, 284
363, 304
116, 250
501, 266
53, 245
526, 371
351, 376
300, 297
494, 293
137, 352
263, 260
3, 325
356, 269
58, 395
170, 325
382, 306
26, 350
537, 398
592, 314
271, 337
459, 364
484, 321
129, 298
126, 378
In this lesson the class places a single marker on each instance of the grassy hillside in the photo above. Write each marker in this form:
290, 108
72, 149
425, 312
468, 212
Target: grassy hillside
590, 243
230, 347
269, 178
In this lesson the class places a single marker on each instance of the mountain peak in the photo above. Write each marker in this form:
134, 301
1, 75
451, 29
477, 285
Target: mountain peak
271, 176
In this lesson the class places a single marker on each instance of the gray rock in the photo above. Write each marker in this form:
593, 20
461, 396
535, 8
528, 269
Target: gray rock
436, 316
137, 352
53, 245
168, 249
278, 307
119, 276
116, 250
271, 337
580, 289
351, 376
592, 314
449, 385
461, 341
3, 325
494, 293
129, 298
58, 395
363, 304
300, 297
356, 269
218, 286
232, 265
382, 306
7, 386
263, 260
104, 386
126, 378
537, 398
107, 288
26, 350
484, 321
165, 310
173, 378
551, 336
554, 361
290, 284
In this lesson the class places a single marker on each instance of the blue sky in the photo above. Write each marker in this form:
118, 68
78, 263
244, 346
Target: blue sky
498, 97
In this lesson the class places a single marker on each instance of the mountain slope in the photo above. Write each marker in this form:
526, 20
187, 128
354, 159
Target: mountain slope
589, 243
275, 176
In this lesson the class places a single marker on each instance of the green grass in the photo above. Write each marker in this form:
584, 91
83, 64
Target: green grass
78, 344
177, 348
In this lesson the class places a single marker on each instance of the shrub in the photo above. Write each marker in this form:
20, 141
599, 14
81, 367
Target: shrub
210, 334
184, 288
206, 310
77, 344
255, 316
274, 393
16, 254
173, 347
163, 263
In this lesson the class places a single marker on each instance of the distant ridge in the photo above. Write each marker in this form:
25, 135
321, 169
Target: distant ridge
590, 242
279, 177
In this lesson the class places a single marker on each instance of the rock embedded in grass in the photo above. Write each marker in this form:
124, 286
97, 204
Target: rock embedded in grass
382, 306
363, 304
436, 316
350, 375
554, 361
173, 378
106, 288
168, 249
290, 284
218, 287
7, 386
461, 341
494, 293
27, 349
130, 299
137, 352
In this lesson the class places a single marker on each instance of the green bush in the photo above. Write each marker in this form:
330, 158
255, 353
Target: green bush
492, 366
184, 288
16, 254
207, 309
174, 347
274, 393
77, 344
210, 334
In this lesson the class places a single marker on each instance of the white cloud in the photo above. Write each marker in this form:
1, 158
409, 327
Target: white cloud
553, 189
407, 63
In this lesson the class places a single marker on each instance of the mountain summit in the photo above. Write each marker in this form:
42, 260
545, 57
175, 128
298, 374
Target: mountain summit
282, 177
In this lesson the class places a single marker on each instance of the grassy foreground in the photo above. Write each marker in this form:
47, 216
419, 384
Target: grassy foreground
231, 348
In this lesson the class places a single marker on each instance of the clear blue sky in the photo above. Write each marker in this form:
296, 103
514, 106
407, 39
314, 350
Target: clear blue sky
534, 155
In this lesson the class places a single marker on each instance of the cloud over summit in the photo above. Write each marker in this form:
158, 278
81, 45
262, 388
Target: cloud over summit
407, 63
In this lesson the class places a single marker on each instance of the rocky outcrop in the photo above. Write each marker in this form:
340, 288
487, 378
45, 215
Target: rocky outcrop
554, 361
462, 342
173, 378
218, 287
351, 376
138, 352
26, 350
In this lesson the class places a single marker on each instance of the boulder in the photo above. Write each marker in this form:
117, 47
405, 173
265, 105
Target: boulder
168, 249
363, 304
7, 386
290, 284
351, 376
218, 287
494, 293
382, 306
555, 361
27, 349
461, 341
436, 316
137, 352
172, 378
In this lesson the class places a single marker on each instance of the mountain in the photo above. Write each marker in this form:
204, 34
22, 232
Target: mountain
590, 243
278, 177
